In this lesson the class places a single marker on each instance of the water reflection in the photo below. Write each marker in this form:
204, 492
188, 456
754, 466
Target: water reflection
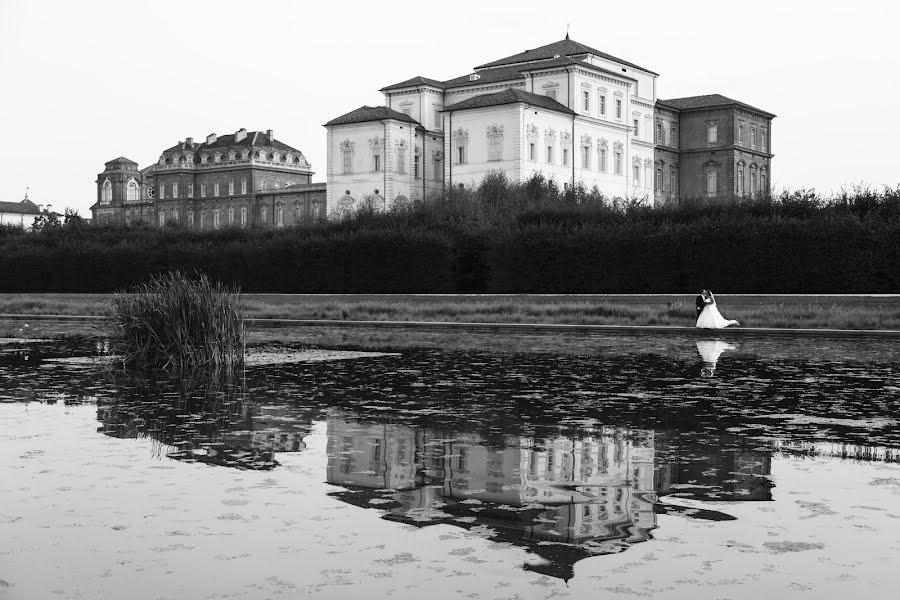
564, 498
710, 351
201, 423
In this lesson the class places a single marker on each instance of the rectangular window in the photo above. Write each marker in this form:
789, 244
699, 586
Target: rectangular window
162, 191
279, 215
712, 182
603, 160
243, 216
190, 218
438, 170
762, 139
618, 108
587, 100
658, 180
585, 157
740, 133
347, 165
244, 185
712, 133
673, 135
461, 155
162, 218
495, 148
174, 190
637, 131
550, 154
437, 119
603, 105
377, 162
565, 157
216, 189
753, 137
190, 190
550, 94
416, 166
636, 174
531, 151
231, 188
216, 218
659, 132
618, 163
673, 181
401, 161
203, 190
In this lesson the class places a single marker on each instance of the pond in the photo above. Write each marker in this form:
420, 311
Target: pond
408, 463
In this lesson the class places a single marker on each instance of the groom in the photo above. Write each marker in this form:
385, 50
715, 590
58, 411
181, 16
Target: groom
701, 302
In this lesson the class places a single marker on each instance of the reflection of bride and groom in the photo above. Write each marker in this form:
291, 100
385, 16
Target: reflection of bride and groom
709, 317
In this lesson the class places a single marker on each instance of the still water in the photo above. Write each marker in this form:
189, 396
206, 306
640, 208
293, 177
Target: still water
577, 466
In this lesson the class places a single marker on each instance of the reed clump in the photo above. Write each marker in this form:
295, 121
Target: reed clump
179, 324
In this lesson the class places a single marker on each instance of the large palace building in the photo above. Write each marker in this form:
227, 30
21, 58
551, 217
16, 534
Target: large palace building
242, 179
565, 110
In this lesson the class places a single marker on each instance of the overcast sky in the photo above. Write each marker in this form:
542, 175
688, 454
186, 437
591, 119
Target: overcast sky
85, 82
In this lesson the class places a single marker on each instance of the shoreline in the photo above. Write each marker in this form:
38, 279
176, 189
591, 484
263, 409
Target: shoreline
520, 327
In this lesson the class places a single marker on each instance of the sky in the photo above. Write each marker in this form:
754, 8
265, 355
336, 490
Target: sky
86, 82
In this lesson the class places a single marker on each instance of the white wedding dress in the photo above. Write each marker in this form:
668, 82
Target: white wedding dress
711, 318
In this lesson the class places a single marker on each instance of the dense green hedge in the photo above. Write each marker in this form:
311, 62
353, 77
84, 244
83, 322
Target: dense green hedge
501, 237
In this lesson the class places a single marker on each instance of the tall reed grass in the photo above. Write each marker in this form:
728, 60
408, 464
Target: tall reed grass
179, 324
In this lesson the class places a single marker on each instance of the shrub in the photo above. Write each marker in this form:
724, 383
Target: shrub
179, 324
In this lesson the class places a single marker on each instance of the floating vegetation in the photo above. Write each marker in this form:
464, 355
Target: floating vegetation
175, 323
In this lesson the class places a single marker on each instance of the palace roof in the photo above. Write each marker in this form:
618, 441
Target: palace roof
364, 114
25, 207
510, 96
564, 47
414, 82
708, 101
253, 138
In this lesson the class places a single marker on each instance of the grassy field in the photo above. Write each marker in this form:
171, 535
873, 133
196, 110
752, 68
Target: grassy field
787, 311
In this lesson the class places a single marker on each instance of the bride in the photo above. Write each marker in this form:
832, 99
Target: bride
710, 317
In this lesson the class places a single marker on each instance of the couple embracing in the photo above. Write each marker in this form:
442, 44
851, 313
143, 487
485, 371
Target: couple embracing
708, 315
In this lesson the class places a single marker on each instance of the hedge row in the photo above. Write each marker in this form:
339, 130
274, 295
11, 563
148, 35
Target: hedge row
500, 238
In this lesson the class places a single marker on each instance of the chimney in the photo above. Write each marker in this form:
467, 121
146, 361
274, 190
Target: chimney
270, 134
189, 141
240, 134
211, 138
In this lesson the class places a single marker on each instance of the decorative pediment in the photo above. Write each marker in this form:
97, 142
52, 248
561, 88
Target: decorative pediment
348, 145
618, 93
648, 163
602, 143
602, 89
636, 161
550, 134
376, 142
586, 84
550, 85
461, 133
494, 129
406, 103
586, 140
532, 130
565, 136
710, 163
437, 154
635, 113
617, 146
401, 143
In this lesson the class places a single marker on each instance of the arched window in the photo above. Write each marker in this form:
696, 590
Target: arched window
270, 156
132, 191
106, 193
243, 216
263, 216
231, 215
279, 215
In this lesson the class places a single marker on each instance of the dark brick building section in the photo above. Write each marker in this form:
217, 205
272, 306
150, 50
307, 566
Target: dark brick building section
722, 149
213, 184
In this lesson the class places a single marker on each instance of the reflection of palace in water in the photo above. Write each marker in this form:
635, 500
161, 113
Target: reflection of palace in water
564, 498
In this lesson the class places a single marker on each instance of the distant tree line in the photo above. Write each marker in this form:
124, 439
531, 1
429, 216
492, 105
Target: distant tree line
501, 237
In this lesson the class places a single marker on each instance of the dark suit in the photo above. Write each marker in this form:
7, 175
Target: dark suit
700, 304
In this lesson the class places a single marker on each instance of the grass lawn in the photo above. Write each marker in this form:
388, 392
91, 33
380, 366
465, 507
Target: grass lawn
788, 311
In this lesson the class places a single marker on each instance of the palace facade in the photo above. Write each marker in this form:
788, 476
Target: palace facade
567, 111
241, 179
